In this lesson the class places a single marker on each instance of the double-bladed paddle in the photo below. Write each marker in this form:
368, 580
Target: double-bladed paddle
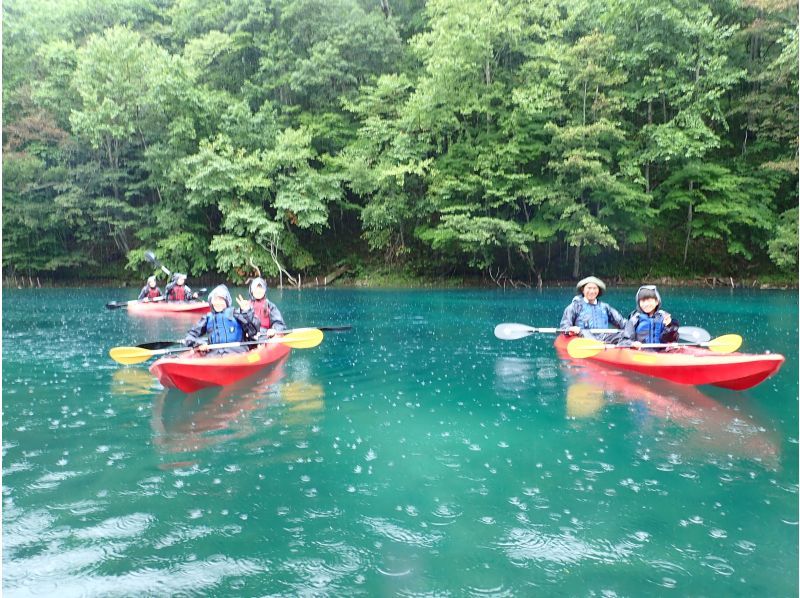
512, 332
300, 338
118, 304
164, 344
581, 348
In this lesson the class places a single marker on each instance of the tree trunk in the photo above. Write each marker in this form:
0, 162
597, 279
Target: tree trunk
688, 226
576, 262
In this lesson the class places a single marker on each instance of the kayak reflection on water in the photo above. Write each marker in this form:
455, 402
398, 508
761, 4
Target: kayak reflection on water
190, 423
704, 424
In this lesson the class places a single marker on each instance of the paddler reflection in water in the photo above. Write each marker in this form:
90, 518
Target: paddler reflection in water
585, 312
265, 310
649, 323
224, 324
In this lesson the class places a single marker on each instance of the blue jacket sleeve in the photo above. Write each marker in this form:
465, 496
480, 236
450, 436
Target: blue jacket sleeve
142, 293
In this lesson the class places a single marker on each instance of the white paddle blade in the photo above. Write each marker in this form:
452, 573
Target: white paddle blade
693, 334
512, 332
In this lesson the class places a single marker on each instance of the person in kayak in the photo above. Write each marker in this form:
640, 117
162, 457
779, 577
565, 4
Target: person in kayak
177, 290
224, 324
586, 312
266, 311
649, 323
150, 290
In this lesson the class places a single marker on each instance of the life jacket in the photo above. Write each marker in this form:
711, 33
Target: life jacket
152, 292
261, 311
593, 316
177, 293
649, 329
222, 327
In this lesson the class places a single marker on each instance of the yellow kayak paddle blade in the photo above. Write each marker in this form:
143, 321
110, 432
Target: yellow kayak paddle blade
581, 348
727, 343
300, 338
130, 355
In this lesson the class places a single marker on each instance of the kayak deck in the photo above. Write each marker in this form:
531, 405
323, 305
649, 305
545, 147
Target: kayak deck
689, 365
162, 308
196, 371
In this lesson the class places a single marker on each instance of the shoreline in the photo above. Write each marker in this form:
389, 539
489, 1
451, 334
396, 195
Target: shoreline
379, 281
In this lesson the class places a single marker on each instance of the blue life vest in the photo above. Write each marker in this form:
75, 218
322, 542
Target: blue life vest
222, 327
593, 316
648, 330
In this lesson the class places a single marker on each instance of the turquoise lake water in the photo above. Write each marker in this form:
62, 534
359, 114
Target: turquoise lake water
413, 455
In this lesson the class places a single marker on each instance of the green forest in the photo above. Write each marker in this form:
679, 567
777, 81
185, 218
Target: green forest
519, 140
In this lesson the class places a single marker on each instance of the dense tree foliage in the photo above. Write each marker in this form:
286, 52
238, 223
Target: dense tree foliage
495, 137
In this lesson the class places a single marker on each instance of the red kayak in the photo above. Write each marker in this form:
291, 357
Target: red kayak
196, 371
161, 308
689, 365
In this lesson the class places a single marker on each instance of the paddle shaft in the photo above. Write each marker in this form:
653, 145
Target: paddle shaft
150, 257
217, 346
592, 330
165, 344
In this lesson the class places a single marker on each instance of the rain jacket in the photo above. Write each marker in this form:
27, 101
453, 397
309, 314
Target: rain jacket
178, 293
585, 315
266, 311
647, 328
228, 326
149, 292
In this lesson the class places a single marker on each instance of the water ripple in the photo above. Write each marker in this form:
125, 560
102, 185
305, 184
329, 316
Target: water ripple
523, 545
127, 526
194, 578
396, 533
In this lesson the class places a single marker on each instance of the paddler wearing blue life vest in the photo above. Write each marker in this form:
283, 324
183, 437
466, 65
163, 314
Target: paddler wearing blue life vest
266, 311
649, 323
224, 324
586, 312
150, 291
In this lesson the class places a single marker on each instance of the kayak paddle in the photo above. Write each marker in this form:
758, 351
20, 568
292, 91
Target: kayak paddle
301, 338
118, 304
581, 348
151, 257
512, 332
164, 344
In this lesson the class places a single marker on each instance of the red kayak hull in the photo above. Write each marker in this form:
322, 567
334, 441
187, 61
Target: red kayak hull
160, 308
690, 365
194, 372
